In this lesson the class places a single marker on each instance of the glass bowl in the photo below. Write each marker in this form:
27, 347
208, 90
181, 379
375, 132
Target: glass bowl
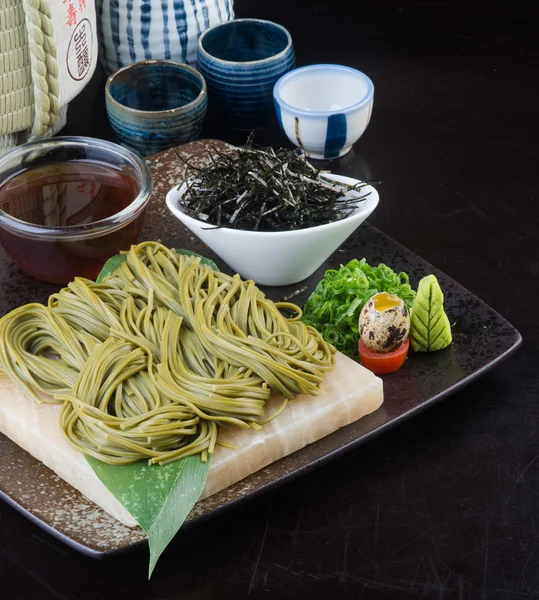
68, 204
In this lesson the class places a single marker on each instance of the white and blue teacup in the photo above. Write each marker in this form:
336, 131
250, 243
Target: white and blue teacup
324, 109
241, 60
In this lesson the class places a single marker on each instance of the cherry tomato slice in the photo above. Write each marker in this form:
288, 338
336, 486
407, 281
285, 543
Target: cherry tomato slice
381, 363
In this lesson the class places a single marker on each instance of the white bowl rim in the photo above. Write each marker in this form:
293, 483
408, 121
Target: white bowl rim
246, 63
363, 210
323, 113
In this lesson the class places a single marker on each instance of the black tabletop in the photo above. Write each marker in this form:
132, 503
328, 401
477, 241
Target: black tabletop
445, 506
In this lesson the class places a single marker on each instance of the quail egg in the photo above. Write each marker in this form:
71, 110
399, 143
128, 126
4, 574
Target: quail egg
384, 323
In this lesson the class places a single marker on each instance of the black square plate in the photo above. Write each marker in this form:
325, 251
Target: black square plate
481, 338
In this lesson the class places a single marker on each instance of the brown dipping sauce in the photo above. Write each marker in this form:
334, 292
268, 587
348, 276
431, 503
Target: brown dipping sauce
66, 194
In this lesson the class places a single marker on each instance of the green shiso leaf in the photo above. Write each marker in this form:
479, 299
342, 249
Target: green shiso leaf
110, 266
113, 263
334, 306
430, 329
158, 497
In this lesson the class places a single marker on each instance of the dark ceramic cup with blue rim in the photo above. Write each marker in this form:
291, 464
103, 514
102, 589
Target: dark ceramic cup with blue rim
241, 60
153, 105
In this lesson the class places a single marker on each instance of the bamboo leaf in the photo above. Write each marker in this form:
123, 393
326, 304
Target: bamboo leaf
113, 263
158, 497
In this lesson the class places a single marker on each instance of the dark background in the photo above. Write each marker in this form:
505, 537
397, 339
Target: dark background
447, 505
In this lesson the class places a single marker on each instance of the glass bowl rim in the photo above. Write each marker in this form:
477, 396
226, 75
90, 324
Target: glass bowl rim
87, 230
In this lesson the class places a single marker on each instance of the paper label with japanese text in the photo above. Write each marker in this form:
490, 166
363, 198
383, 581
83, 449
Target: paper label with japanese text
75, 34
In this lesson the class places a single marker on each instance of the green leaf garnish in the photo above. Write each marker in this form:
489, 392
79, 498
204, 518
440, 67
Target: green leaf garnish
113, 263
430, 329
158, 497
334, 306
110, 266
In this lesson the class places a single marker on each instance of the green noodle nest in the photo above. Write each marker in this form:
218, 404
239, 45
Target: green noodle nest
150, 362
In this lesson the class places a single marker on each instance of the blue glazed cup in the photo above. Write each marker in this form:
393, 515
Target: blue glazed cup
153, 105
241, 60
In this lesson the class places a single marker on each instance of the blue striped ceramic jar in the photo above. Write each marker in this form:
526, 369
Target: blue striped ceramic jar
324, 109
241, 60
134, 30
155, 104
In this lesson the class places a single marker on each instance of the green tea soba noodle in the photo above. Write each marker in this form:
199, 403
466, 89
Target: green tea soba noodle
150, 362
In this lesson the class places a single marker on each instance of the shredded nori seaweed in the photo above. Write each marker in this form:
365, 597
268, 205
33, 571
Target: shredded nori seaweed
262, 189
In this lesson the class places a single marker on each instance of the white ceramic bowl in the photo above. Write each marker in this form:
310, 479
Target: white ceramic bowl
324, 108
276, 257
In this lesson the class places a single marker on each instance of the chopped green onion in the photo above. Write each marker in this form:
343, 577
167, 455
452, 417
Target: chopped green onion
334, 306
